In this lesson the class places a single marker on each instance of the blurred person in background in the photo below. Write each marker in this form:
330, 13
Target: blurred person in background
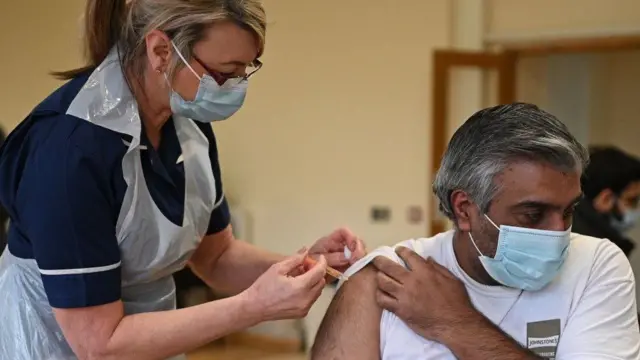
611, 186
112, 184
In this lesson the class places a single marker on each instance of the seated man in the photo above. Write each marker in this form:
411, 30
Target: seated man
510, 281
611, 186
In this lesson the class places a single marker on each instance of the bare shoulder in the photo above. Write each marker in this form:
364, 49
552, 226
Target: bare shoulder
351, 326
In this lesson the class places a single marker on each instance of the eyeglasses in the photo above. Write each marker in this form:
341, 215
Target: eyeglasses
222, 78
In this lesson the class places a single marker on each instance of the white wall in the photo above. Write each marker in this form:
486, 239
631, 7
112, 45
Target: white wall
527, 18
570, 91
36, 38
620, 94
337, 121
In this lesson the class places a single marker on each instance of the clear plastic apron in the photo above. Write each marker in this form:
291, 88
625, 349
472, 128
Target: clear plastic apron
152, 248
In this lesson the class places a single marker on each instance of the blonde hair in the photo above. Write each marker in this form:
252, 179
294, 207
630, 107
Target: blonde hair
124, 24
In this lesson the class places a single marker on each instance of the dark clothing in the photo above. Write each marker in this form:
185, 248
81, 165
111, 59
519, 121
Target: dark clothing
588, 221
4, 217
62, 183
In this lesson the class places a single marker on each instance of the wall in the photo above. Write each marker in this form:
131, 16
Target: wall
337, 121
531, 83
540, 18
31, 51
620, 89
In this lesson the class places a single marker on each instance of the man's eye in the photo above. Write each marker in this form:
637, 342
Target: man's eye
569, 213
533, 217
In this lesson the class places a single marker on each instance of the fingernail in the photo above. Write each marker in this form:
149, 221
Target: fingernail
302, 250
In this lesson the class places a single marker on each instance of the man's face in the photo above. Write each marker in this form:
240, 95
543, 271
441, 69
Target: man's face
624, 210
530, 195
628, 199
609, 203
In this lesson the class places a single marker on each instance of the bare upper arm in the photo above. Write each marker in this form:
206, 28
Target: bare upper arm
89, 329
351, 327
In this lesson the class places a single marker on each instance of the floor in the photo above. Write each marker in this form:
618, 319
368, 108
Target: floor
217, 352
243, 346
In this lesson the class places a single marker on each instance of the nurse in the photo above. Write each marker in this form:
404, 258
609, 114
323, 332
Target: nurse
112, 184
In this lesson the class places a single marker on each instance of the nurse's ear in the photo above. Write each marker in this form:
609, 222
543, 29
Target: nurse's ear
159, 50
462, 207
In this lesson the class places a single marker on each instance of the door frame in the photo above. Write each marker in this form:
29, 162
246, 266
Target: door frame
443, 62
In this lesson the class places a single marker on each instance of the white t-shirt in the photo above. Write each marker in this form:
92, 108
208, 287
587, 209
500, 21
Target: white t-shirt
588, 312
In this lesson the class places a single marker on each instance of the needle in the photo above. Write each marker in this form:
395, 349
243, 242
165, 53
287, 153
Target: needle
330, 271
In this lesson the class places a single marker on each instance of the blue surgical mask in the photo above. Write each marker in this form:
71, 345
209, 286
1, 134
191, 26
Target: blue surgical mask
213, 101
629, 220
527, 259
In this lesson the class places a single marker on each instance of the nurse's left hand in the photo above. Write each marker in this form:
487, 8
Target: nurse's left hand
332, 247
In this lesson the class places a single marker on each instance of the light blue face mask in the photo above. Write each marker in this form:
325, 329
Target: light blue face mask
213, 102
629, 220
527, 259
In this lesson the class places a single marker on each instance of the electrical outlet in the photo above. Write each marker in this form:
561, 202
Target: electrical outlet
415, 214
380, 214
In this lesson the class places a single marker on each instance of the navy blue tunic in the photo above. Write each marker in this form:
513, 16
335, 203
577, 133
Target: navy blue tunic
62, 185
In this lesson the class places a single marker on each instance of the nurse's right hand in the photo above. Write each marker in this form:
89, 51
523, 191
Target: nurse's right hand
277, 294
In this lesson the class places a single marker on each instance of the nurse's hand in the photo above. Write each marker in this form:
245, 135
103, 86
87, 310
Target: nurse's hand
332, 247
279, 294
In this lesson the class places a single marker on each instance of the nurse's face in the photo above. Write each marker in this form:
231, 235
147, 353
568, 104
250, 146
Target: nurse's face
225, 51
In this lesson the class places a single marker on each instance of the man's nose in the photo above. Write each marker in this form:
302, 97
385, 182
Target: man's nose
559, 222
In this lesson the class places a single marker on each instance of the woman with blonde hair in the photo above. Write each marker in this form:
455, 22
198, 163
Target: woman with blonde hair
112, 184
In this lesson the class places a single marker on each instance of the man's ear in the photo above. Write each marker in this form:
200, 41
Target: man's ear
462, 205
605, 201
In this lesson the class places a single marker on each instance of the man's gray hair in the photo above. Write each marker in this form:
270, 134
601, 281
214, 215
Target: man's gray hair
494, 137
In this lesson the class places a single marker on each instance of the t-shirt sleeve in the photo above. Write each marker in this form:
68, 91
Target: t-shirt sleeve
386, 251
388, 319
220, 217
604, 323
68, 216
